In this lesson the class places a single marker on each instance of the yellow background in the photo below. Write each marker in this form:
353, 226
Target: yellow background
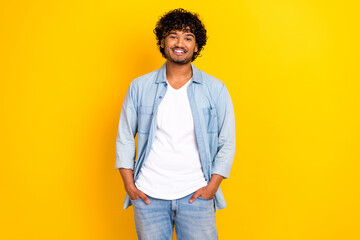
292, 69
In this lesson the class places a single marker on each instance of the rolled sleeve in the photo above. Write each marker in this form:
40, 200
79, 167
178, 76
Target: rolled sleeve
125, 151
226, 143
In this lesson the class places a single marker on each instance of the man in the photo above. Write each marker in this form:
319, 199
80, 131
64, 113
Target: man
185, 123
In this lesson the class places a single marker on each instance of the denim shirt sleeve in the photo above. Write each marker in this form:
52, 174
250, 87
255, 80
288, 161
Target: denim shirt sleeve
125, 150
226, 143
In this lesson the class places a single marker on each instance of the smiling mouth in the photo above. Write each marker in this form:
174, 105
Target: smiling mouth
179, 51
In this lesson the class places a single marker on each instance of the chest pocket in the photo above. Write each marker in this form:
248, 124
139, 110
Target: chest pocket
144, 119
210, 117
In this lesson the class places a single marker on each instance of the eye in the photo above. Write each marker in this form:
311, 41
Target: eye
188, 39
172, 37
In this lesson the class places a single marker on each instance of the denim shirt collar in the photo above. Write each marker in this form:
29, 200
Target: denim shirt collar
161, 77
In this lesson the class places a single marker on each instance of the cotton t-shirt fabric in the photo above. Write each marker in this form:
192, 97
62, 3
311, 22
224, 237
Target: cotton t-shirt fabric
173, 169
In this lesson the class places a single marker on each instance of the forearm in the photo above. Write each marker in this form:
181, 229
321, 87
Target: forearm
214, 183
130, 188
127, 177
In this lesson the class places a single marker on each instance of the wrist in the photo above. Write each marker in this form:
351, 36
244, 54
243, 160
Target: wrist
130, 187
214, 183
212, 187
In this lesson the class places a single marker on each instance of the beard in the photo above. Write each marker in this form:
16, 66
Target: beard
178, 61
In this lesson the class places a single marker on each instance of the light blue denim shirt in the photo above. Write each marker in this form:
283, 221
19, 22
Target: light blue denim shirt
214, 122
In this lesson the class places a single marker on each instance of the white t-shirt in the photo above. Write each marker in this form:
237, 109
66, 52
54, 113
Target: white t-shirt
172, 169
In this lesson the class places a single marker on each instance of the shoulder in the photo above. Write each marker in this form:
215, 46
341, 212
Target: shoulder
211, 80
213, 84
142, 85
144, 80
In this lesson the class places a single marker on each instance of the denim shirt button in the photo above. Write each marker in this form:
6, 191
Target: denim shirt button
160, 97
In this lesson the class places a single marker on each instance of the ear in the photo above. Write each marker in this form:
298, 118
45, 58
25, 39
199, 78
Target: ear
196, 48
162, 43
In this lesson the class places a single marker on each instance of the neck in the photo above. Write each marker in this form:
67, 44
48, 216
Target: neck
178, 73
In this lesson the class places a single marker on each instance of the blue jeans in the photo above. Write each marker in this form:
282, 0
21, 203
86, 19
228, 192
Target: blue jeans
192, 221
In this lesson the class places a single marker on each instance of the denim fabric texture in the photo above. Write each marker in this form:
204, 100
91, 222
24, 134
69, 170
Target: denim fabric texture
214, 122
194, 220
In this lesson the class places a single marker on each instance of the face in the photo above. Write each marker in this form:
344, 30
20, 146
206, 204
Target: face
179, 46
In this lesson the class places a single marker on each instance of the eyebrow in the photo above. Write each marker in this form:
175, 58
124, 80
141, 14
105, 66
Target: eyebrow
187, 34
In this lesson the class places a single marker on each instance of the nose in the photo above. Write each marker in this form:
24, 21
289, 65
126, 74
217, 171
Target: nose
179, 42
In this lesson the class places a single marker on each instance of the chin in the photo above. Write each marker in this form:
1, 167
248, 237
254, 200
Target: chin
180, 62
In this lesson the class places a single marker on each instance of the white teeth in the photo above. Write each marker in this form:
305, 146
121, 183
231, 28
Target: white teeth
179, 51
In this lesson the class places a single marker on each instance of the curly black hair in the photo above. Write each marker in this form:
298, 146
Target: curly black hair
182, 20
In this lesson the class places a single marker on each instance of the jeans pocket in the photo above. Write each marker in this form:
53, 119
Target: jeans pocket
206, 199
136, 200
